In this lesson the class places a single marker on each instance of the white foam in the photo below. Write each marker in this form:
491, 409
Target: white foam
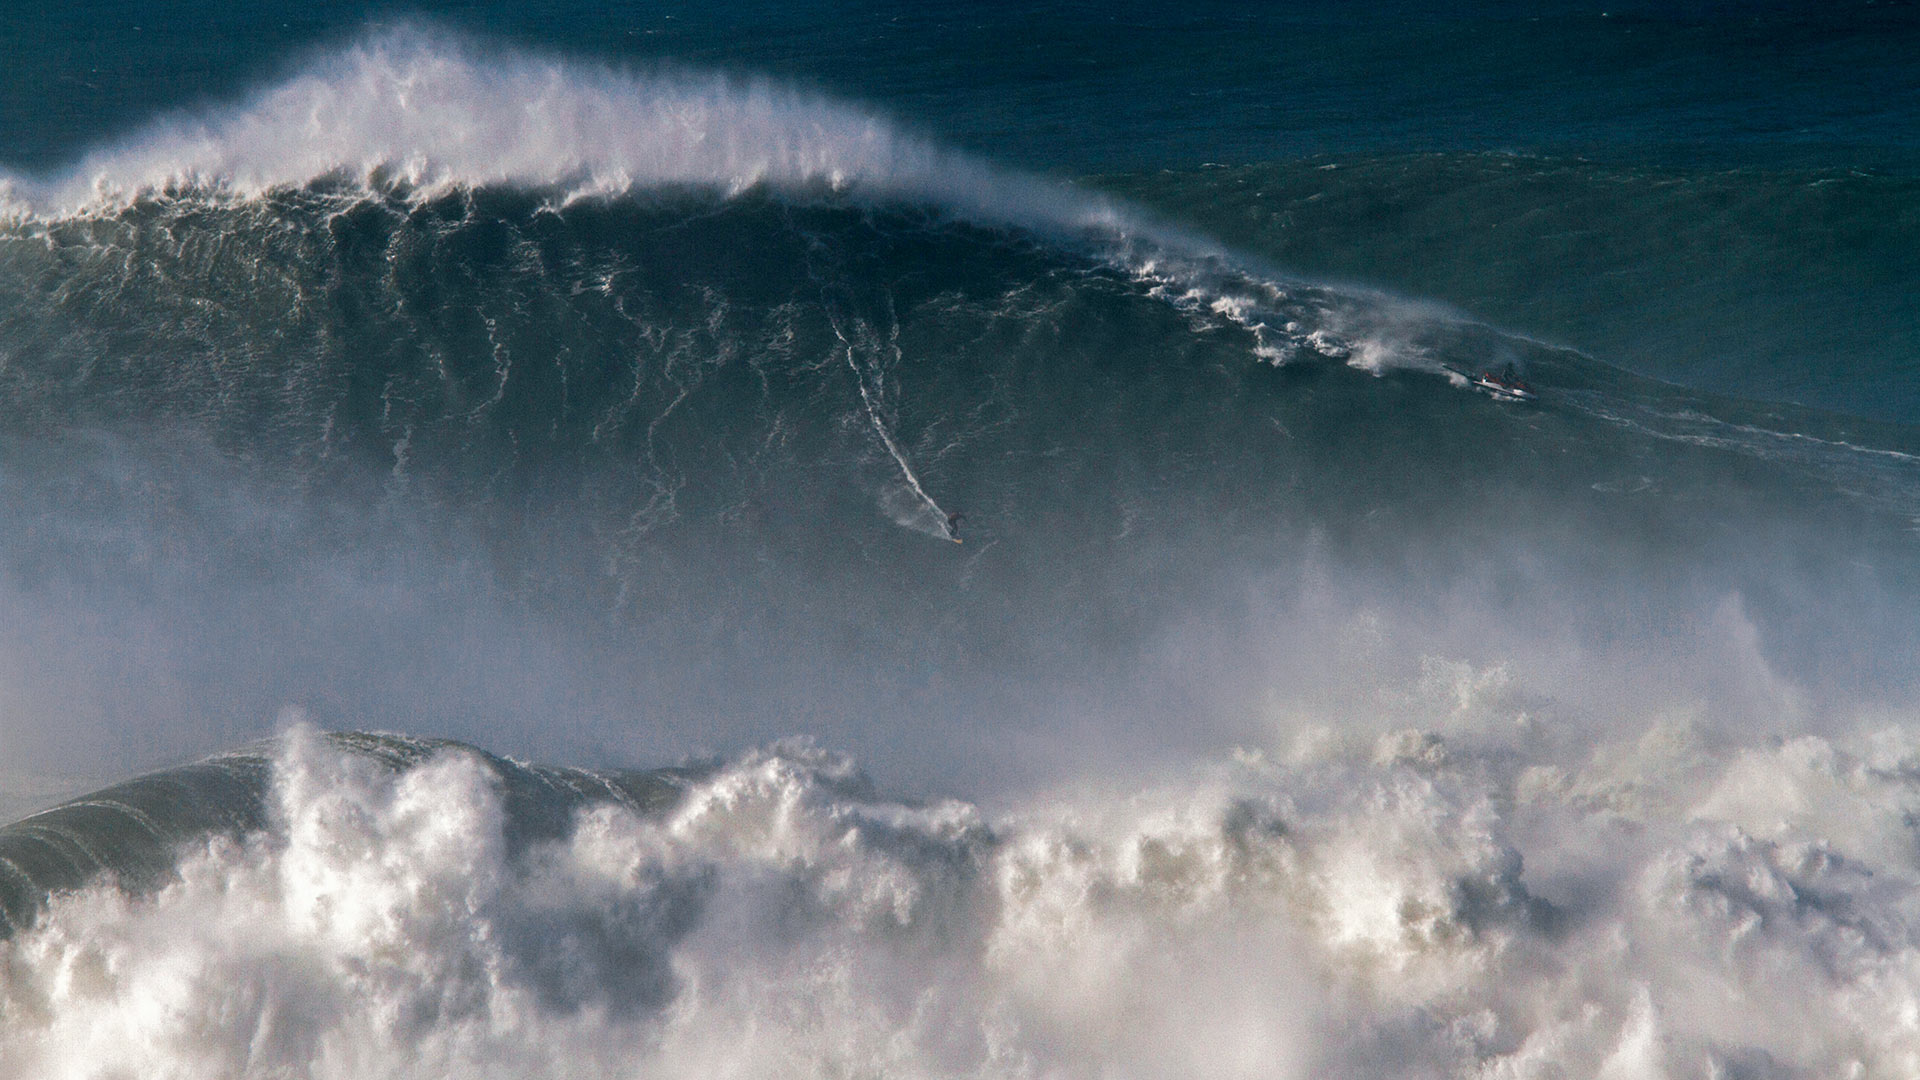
1414, 904
431, 112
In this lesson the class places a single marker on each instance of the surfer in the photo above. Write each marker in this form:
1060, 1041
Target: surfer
953, 526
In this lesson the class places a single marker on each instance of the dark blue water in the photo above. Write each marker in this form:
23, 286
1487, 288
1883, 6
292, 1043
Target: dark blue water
1756, 263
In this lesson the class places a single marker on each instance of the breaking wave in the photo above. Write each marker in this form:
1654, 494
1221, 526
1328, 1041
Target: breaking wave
600, 416
432, 113
1415, 904
424, 116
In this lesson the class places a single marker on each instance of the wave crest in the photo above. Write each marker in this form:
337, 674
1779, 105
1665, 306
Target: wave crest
429, 111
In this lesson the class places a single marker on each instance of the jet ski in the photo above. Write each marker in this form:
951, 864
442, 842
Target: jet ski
1505, 385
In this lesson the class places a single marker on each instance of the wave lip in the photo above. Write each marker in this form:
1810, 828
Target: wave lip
430, 112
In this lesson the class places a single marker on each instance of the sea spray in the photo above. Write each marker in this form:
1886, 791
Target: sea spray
426, 114
586, 412
1408, 905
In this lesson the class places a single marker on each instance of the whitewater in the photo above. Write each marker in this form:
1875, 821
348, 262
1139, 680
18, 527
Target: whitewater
425, 113
1418, 904
514, 486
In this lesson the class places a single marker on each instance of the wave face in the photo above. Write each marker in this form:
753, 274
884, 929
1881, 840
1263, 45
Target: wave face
701, 447
1287, 706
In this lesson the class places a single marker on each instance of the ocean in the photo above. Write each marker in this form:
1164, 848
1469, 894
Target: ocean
1007, 540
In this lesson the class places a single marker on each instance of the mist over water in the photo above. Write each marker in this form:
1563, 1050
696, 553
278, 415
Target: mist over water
1288, 707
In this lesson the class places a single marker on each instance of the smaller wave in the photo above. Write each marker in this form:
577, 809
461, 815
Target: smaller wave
132, 833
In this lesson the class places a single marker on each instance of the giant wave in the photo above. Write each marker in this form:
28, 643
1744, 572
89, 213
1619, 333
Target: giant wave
601, 416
